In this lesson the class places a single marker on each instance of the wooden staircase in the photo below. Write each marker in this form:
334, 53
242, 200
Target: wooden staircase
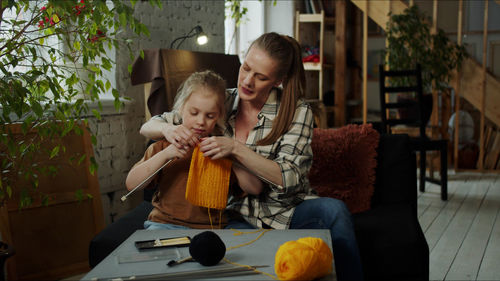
472, 79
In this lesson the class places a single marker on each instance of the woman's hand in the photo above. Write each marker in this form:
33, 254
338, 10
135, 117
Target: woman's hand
217, 147
180, 136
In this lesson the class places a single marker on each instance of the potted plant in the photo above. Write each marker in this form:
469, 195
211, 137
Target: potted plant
411, 42
44, 45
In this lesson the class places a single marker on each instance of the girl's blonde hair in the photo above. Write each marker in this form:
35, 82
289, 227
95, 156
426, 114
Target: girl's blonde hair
286, 51
207, 79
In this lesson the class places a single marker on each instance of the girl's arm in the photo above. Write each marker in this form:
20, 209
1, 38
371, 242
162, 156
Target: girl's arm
145, 168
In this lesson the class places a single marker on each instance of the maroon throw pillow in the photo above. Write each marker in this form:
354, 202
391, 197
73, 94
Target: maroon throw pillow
344, 164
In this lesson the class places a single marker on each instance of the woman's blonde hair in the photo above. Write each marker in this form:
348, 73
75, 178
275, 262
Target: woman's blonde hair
286, 51
204, 79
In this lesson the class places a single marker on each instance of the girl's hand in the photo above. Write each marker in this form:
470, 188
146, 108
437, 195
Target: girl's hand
217, 147
174, 152
180, 136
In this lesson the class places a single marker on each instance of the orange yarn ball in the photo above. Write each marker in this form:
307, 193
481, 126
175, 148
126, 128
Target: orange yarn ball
304, 259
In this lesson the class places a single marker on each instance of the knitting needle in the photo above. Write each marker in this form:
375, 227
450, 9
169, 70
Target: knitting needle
217, 272
259, 176
163, 166
124, 197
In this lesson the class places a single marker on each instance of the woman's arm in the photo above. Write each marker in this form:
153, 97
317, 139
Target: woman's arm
145, 168
159, 127
247, 181
154, 128
220, 147
292, 157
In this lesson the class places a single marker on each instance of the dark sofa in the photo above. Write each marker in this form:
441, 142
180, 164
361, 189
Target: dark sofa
391, 241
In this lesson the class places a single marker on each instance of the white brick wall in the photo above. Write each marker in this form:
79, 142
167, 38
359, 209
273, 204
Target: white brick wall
119, 144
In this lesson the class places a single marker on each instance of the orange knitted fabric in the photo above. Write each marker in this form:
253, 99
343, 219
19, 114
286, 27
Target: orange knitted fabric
208, 181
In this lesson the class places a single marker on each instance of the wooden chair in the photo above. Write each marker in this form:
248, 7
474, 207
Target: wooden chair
421, 143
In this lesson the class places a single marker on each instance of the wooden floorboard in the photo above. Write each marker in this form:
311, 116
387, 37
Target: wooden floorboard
463, 233
471, 252
434, 205
434, 231
446, 248
490, 264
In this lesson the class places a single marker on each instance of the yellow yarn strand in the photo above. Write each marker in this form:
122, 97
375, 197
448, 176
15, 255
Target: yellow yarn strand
250, 242
210, 219
220, 219
237, 232
208, 181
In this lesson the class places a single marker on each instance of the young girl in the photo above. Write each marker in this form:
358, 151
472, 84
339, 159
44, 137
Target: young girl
199, 105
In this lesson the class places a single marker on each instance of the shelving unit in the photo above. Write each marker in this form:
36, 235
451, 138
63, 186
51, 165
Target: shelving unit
313, 22
322, 76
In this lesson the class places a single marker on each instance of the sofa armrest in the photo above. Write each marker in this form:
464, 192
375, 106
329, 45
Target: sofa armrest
392, 244
396, 173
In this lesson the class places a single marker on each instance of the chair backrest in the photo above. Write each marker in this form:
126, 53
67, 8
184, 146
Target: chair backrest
167, 69
409, 103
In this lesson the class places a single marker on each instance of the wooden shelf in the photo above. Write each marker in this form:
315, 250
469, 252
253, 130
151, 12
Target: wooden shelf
311, 100
316, 66
316, 99
316, 18
312, 66
330, 71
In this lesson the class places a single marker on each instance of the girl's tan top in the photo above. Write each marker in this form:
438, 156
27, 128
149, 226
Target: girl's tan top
169, 201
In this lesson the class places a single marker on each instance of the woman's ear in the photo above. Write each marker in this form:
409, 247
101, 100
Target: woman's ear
278, 82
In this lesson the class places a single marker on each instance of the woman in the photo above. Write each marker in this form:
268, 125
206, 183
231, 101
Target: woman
269, 131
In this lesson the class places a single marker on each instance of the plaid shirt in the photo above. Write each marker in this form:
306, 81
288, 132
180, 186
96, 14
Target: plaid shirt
292, 152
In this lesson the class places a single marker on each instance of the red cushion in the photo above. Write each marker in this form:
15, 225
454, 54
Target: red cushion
344, 164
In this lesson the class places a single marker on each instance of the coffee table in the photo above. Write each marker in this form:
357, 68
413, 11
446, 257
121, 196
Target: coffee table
127, 262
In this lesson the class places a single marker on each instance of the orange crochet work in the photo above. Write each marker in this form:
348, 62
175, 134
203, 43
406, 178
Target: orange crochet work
208, 181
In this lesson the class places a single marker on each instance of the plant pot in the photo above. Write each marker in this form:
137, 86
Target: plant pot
412, 112
6, 251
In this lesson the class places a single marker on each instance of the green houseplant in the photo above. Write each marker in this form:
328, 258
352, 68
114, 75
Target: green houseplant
54, 55
411, 42
53, 59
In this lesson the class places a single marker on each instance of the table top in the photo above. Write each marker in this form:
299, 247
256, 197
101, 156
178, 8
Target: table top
127, 262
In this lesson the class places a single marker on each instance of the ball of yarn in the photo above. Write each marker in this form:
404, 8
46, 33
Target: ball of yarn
207, 248
304, 259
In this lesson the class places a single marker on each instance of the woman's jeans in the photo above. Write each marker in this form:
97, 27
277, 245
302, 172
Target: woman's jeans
327, 213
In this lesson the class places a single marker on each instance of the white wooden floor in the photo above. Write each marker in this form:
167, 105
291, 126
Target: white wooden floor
463, 233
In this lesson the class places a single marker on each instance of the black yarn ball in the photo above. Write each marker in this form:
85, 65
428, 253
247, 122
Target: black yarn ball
207, 248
